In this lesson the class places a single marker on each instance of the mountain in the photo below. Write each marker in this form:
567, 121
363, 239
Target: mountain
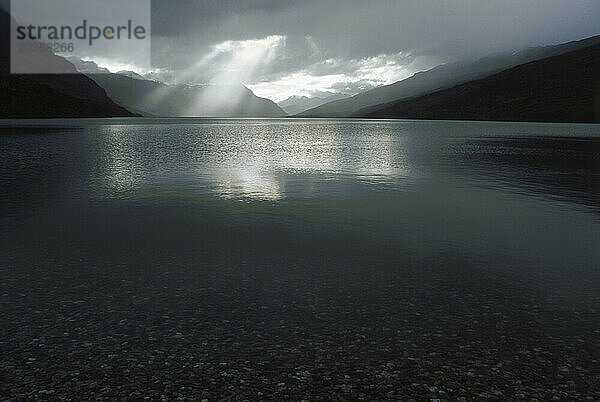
155, 98
296, 104
68, 94
444, 76
564, 88
131, 74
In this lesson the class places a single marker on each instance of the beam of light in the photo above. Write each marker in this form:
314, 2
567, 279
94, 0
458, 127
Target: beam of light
243, 59
223, 90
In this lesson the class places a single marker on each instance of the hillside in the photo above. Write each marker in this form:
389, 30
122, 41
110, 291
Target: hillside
70, 94
563, 88
296, 104
159, 99
444, 76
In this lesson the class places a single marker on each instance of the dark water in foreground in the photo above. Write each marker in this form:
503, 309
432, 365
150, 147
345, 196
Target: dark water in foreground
299, 259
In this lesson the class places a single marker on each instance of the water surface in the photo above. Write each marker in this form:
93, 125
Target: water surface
256, 249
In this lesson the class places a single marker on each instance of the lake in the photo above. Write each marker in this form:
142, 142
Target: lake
292, 258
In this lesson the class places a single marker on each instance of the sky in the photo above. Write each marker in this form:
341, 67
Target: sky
280, 48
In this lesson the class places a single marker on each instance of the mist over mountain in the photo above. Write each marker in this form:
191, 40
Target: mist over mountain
296, 104
563, 88
440, 77
154, 98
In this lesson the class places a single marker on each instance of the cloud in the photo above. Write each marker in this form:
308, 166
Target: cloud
279, 46
348, 76
276, 68
233, 61
355, 29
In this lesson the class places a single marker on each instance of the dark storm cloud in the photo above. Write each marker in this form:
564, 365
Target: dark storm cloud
171, 18
355, 29
348, 43
345, 39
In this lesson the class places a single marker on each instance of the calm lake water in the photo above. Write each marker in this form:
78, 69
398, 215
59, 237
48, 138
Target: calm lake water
231, 238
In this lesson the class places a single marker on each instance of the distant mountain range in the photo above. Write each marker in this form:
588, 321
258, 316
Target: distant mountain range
153, 98
441, 77
564, 88
296, 104
69, 94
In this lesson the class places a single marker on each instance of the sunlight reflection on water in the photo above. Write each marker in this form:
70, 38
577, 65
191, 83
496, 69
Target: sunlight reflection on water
234, 163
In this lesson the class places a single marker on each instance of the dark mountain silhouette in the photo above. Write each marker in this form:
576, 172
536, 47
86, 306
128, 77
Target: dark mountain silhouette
296, 104
155, 98
69, 94
444, 76
563, 88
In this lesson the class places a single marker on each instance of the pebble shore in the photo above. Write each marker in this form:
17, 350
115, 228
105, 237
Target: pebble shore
181, 330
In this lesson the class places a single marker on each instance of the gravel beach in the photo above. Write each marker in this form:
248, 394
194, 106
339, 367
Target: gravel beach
247, 323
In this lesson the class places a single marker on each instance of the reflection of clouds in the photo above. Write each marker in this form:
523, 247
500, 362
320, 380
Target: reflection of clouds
247, 183
254, 159
265, 163
259, 161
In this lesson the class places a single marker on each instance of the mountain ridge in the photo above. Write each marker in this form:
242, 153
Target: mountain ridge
297, 104
69, 94
155, 98
443, 76
563, 88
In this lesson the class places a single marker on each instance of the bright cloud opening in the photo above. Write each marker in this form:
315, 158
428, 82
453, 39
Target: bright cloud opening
360, 75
